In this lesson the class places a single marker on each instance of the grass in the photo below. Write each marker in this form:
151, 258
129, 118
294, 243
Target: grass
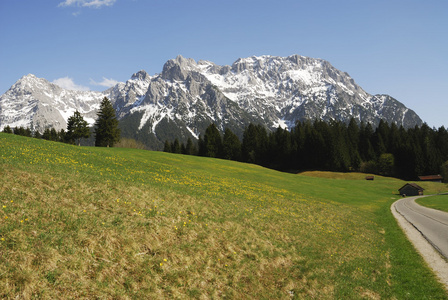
439, 202
80, 222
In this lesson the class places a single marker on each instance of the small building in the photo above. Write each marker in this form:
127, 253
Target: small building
370, 177
434, 178
411, 189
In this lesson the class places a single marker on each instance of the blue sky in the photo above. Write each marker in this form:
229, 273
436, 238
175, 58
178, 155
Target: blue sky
390, 47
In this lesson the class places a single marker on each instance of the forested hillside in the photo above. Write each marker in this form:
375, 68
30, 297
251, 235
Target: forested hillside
333, 146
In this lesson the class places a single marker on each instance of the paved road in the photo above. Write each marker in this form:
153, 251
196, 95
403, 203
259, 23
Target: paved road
432, 224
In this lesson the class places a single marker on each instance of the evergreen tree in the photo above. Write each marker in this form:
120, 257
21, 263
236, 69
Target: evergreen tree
77, 128
107, 132
7, 129
212, 141
442, 142
62, 136
250, 144
46, 135
231, 146
444, 171
175, 147
255, 143
27, 132
37, 134
201, 146
190, 148
167, 147
19, 131
53, 135
366, 150
280, 149
353, 144
386, 163
340, 148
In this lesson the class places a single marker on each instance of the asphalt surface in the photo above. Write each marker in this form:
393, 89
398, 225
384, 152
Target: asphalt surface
431, 223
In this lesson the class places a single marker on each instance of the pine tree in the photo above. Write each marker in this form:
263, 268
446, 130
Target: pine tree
46, 135
231, 146
53, 135
107, 132
77, 128
7, 129
444, 171
212, 141
190, 148
167, 147
37, 134
175, 147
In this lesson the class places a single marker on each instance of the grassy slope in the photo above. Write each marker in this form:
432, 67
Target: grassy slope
83, 222
439, 202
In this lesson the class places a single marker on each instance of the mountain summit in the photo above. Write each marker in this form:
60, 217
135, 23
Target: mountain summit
187, 96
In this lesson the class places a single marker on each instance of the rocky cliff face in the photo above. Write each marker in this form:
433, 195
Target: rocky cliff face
188, 95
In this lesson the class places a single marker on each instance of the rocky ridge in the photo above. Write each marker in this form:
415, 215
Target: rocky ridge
187, 96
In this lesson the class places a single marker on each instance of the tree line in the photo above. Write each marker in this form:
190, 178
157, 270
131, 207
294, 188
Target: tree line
388, 150
106, 130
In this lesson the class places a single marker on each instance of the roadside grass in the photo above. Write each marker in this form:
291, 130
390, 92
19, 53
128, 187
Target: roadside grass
439, 202
79, 222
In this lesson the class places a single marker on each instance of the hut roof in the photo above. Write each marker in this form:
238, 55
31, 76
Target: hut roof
430, 177
414, 185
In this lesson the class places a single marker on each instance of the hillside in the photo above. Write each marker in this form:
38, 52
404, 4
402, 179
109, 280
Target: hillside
87, 222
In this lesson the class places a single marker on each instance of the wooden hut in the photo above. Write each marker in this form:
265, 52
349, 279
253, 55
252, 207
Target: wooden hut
411, 189
434, 178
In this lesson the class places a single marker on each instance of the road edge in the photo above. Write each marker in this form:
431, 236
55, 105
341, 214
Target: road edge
430, 255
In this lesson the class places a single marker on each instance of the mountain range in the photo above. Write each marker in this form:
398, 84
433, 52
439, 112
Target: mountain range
187, 96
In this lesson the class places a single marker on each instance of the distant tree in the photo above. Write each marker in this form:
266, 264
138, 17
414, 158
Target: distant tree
19, 131
231, 146
27, 132
37, 134
7, 129
255, 144
190, 147
46, 135
442, 142
62, 135
212, 141
386, 163
53, 135
201, 146
167, 147
280, 149
77, 128
175, 147
107, 132
444, 171
366, 150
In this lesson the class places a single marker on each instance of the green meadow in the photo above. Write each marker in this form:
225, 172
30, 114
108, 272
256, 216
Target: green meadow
84, 222
439, 202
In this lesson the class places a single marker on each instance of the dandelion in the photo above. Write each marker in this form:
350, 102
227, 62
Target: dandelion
164, 259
